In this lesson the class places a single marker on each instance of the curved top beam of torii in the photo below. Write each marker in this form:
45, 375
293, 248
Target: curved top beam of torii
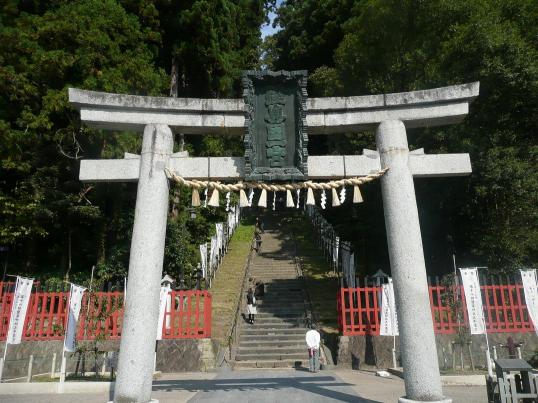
433, 107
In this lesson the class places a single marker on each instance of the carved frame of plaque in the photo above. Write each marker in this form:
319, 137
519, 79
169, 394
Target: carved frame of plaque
269, 156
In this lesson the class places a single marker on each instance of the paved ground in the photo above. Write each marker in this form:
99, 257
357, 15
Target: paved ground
269, 386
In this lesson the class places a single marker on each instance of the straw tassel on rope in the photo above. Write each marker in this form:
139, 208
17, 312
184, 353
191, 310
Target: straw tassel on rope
289, 199
357, 196
310, 201
262, 202
243, 201
195, 198
214, 200
241, 187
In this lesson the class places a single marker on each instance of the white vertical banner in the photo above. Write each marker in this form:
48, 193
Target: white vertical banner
23, 290
75, 301
231, 222
213, 253
473, 300
163, 297
530, 289
203, 259
219, 229
336, 248
389, 318
352, 280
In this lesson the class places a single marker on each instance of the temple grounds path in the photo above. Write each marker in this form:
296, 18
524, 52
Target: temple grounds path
342, 385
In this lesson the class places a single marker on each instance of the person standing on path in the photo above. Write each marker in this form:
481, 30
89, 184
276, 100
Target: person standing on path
258, 240
251, 306
312, 341
259, 225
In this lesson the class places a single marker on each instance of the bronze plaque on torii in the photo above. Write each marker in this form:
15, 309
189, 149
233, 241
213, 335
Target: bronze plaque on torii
275, 121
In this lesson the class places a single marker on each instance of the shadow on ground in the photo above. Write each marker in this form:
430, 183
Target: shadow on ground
290, 386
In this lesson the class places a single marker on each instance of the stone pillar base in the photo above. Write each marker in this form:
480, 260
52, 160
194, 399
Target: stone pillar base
406, 400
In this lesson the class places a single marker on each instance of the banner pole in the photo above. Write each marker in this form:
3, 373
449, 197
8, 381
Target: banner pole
9, 325
488, 355
3, 361
64, 363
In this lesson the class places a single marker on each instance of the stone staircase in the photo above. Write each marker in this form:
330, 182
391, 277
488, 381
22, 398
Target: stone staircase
276, 340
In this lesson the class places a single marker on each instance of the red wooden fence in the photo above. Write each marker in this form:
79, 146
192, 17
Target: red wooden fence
504, 309
188, 315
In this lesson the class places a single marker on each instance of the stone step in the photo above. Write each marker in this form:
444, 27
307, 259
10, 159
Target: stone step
277, 304
265, 269
275, 276
262, 325
279, 321
277, 351
284, 316
275, 270
281, 295
276, 320
282, 311
279, 313
272, 356
299, 341
267, 277
286, 290
269, 299
246, 365
254, 332
290, 282
284, 337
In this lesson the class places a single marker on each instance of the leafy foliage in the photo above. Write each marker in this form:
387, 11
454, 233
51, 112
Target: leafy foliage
53, 225
490, 218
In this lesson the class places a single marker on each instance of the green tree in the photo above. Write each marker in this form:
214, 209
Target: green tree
209, 41
389, 45
45, 213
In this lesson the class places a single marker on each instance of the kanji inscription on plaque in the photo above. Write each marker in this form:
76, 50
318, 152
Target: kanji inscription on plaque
276, 140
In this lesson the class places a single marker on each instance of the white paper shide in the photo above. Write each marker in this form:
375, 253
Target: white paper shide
473, 300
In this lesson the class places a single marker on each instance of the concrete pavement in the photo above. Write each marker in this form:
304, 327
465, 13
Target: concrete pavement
287, 385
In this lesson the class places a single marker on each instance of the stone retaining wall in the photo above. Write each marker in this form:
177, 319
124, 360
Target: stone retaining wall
376, 351
172, 356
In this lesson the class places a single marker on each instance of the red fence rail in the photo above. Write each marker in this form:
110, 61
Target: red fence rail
187, 315
359, 310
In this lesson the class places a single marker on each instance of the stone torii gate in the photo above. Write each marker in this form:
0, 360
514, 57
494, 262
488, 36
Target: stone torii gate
388, 114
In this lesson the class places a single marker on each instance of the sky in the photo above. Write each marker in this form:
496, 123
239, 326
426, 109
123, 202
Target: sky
268, 29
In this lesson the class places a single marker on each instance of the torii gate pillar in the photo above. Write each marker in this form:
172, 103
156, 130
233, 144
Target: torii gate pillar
137, 346
419, 355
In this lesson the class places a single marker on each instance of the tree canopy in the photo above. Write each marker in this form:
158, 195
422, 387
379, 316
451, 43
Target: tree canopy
380, 46
51, 224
